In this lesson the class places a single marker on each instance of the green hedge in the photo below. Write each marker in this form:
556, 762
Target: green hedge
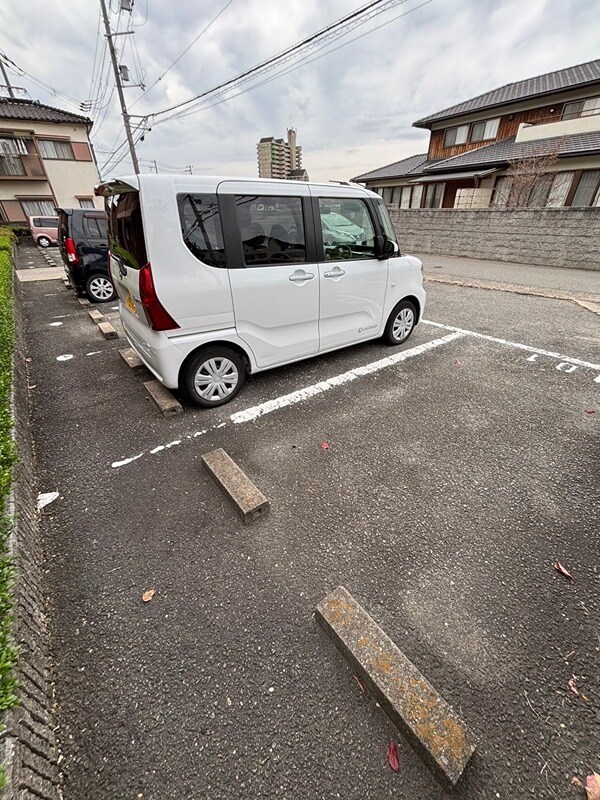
7, 459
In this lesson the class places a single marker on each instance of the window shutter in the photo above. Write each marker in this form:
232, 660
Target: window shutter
81, 151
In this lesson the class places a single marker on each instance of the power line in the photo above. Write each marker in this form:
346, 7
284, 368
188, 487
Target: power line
202, 32
301, 63
354, 19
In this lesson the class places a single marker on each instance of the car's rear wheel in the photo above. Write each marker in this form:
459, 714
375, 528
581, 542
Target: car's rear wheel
44, 241
99, 288
401, 323
213, 376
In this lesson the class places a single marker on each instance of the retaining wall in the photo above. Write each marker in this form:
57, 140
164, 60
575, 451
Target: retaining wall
30, 750
546, 237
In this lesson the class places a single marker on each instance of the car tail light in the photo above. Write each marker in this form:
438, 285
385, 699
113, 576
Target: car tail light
71, 250
157, 315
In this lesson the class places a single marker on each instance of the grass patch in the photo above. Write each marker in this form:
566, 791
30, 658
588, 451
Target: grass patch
8, 655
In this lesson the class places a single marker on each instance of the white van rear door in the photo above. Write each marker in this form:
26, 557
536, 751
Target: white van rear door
275, 285
127, 253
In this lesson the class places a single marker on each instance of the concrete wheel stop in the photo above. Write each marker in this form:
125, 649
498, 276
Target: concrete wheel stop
428, 722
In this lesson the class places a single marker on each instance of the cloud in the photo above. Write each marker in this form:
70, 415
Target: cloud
353, 108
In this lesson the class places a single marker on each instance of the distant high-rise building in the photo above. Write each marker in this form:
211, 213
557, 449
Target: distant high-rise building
280, 159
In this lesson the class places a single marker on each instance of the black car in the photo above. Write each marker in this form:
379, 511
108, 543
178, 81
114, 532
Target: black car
83, 246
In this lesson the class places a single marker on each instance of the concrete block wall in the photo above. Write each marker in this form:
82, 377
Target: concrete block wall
545, 237
30, 751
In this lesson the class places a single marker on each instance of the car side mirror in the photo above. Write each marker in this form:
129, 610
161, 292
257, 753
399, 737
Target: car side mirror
390, 248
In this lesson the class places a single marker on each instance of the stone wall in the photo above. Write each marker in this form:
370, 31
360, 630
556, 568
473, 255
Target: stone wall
546, 237
30, 750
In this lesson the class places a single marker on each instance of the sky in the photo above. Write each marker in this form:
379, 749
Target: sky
353, 108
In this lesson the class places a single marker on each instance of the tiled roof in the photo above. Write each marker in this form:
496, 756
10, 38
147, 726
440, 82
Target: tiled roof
508, 149
396, 170
562, 79
15, 108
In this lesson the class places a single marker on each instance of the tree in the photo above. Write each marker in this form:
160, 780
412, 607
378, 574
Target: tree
528, 179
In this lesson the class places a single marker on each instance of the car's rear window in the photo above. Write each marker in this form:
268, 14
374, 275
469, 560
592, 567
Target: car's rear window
125, 229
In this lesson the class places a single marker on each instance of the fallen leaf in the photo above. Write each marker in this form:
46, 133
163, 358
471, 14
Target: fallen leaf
458, 362
576, 782
559, 568
229, 701
392, 756
361, 685
148, 595
592, 786
590, 411
572, 686
28, 361
45, 498
325, 445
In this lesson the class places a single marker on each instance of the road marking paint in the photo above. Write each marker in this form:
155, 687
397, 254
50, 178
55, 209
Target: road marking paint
65, 357
302, 394
323, 386
577, 361
55, 324
564, 367
126, 461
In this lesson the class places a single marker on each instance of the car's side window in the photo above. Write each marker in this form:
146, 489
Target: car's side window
347, 229
386, 222
272, 229
94, 227
201, 227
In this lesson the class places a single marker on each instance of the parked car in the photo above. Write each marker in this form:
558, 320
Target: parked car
44, 230
83, 246
218, 278
340, 228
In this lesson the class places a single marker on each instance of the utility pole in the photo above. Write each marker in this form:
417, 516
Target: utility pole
113, 56
8, 86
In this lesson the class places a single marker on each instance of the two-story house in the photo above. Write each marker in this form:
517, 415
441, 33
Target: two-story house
477, 147
45, 160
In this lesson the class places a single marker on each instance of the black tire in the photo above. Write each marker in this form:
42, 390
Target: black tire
99, 288
234, 373
43, 241
398, 334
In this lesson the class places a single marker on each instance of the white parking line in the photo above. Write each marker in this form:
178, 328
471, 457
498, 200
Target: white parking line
577, 361
303, 394
323, 386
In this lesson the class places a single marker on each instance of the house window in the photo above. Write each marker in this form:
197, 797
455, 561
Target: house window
416, 197
38, 208
501, 191
52, 149
433, 195
10, 152
454, 136
86, 202
587, 190
482, 131
387, 194
559, 190
396, 193
540, 191
405, 197
582, 108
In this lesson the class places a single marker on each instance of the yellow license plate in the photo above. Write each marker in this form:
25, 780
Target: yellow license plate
130, 304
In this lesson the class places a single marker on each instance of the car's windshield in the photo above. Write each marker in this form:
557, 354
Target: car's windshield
338, 220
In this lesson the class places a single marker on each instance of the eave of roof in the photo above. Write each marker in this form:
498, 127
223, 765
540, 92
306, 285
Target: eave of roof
563, 80
17, 108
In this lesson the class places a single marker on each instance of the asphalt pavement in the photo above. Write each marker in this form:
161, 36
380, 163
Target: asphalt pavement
453, 480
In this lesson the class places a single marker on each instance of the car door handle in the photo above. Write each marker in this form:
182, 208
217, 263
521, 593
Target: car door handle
298, 277
335, 274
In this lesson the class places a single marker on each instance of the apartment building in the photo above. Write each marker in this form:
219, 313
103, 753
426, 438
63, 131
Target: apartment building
281, 159
46, 160
484, 151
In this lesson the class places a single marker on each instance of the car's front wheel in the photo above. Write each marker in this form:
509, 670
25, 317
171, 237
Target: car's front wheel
99, 289
401, 323
213, 376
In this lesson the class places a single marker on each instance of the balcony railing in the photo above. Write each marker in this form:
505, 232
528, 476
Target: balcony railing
574, 115
21, 167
